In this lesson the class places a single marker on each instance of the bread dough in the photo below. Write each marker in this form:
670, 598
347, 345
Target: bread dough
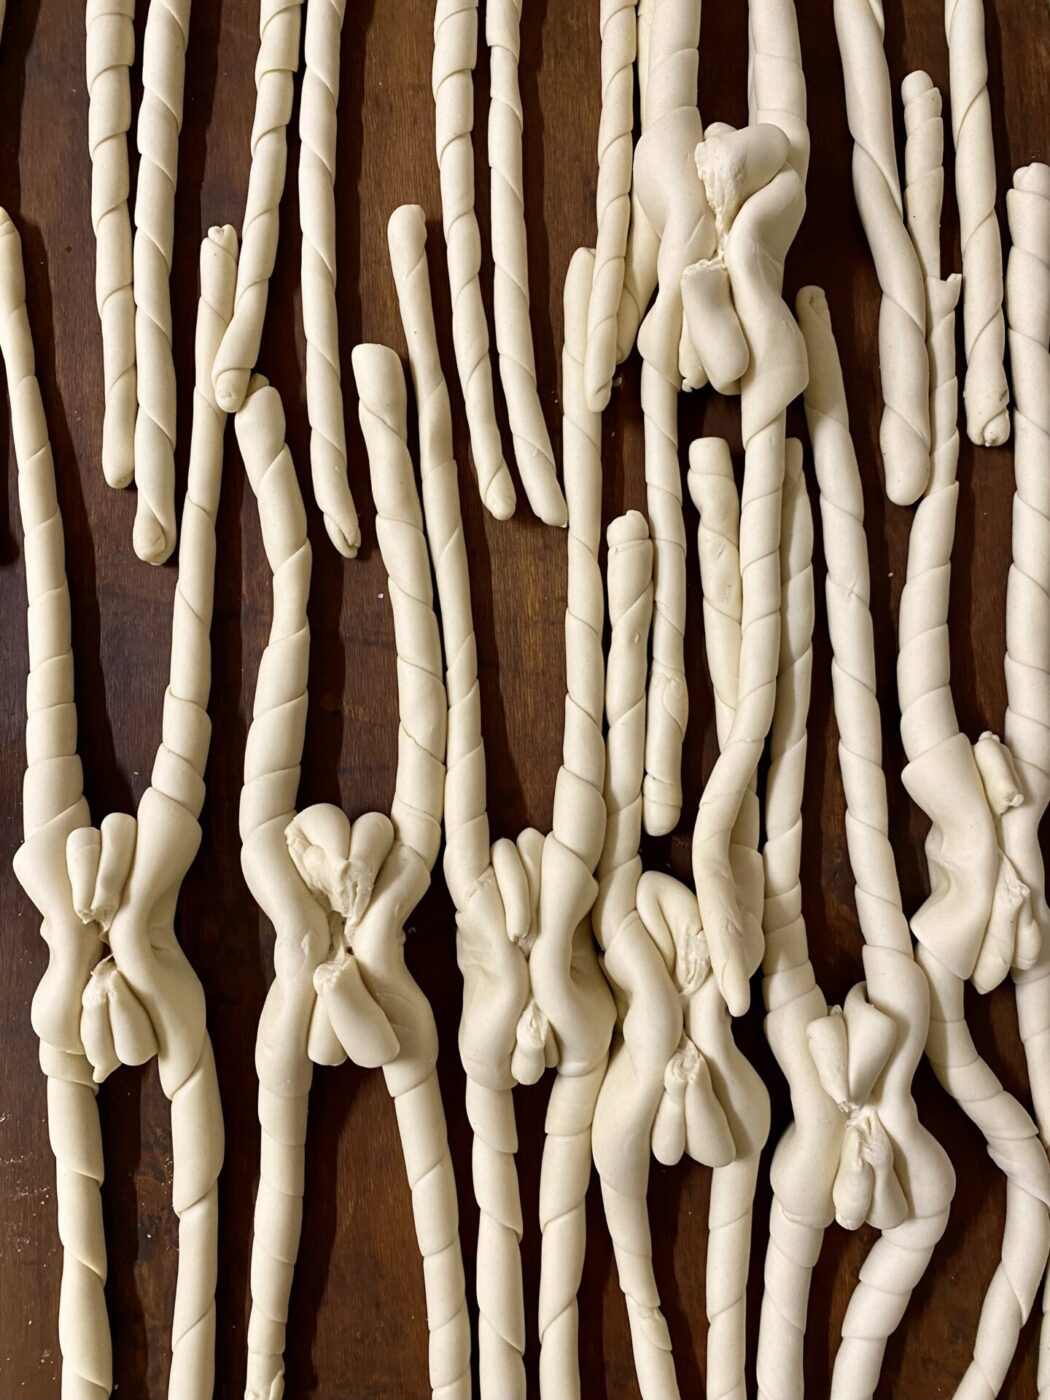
985, 393
110, 52
338, 893
904, 434
159, 125
906, 1192
618, 25
118, 885
275, 68
455, 53
510, 283
317, 219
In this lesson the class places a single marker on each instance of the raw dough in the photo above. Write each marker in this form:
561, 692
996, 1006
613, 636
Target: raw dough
317, 217
275, 68
110, 52
455, 53
510, 284
904, 435
159, 124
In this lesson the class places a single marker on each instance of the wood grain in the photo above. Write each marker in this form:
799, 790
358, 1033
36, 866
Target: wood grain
357, 1326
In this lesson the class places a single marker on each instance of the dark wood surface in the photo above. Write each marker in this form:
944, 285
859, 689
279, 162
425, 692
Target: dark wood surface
357, 1321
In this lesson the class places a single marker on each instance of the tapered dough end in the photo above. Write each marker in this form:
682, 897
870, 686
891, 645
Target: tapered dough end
905, 460
1033, 179
231, 389
627, 529
547, 502
118, 470
989, 432
223, 238
381, 380
500, 499
152, 542
406, 234
599, 392
345, 538
914, 86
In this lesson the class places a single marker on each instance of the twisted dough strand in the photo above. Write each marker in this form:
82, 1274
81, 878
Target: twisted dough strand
110, 52
923, 169
157, 133
510, 286
411, 1078
904, 434
1028, 623
272, 759
468, 861
455, 53
275, 67
898, 1260
53, 806
618, 25
986, 395
324, 390
566, 980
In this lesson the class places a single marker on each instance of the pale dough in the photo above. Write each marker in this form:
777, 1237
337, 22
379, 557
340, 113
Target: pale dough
452, 79
317, 218
280, 23
618, 27
109, 53
510, 282
904, 434
157, 133
985, 393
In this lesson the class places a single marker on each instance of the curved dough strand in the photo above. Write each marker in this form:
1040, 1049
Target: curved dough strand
510, 286
317, 215
157, 134
455, 53
280, 23
109, 53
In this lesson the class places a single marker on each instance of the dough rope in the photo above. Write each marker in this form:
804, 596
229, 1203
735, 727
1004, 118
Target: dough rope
970, 925
618, 26
1028, 624
317, 218
53, 809
567, 985
109, 53
510, 286
492, 962
280, 24
985, 394
904, 433
121, 882
157, 134
455, 53
913, 1211
339, 894
639, 272
755, 181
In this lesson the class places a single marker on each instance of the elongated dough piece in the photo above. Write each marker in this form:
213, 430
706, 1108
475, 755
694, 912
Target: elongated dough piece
110, 52
157, 134
324, 390
455, 53
53, 810
510, 286
904, 434
495, 973
985, 392
1026, 730
619, 29
275, 68
894, 985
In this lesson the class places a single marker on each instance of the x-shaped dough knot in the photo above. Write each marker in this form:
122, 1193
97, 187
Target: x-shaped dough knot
851, 1048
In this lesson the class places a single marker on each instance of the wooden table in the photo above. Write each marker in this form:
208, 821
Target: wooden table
357, 1323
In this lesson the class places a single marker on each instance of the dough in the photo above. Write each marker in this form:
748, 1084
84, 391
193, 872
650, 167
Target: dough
275, 68
904, 435
455, 53
317, 217
118, 885
110, 52
908, 1193
618, 25
159, 124
985, 394
510, 285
